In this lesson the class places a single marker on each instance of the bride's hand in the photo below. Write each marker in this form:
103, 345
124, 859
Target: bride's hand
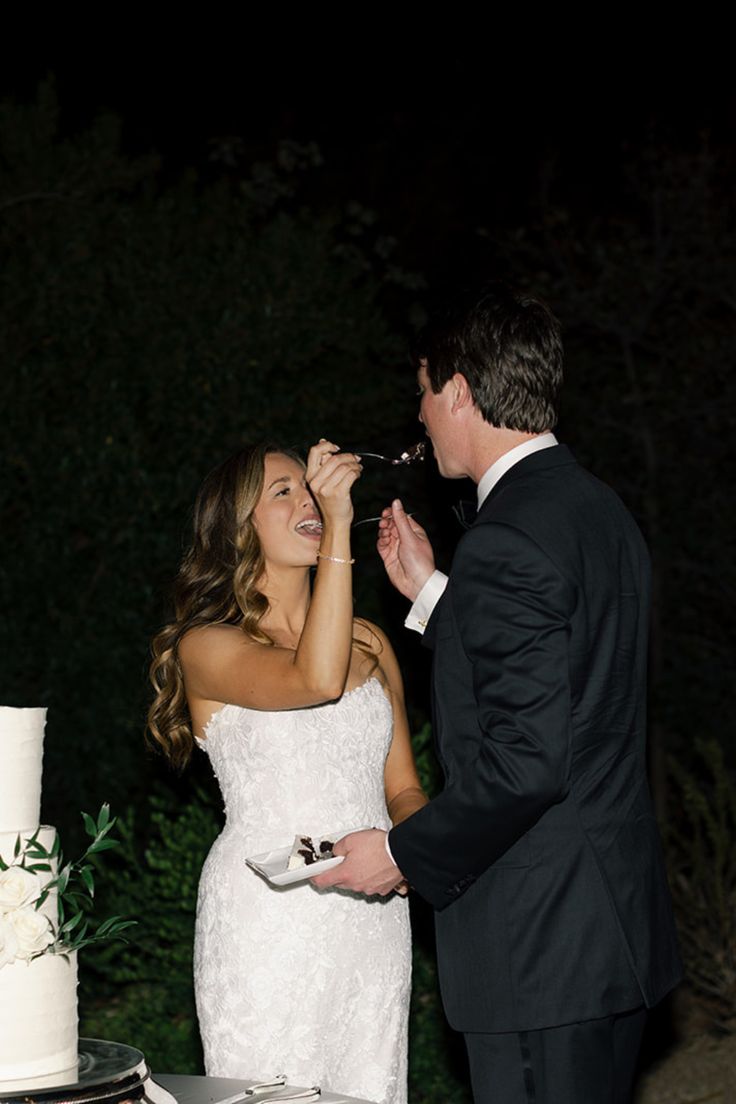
330, 476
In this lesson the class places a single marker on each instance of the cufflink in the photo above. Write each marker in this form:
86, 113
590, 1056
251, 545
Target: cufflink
421, 622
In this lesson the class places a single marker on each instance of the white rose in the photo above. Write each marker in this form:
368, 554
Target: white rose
8, 942
18, 887
32, 930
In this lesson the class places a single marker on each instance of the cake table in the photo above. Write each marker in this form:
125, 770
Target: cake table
216, 1090
113, 1073
109, 1073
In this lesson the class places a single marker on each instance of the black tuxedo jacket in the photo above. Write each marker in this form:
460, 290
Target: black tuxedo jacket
541, 855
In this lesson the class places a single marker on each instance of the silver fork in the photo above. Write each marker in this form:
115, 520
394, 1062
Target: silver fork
409, 456
270, 1087
277, 1082
364, 521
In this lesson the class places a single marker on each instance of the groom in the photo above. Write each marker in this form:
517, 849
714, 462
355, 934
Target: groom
541, 856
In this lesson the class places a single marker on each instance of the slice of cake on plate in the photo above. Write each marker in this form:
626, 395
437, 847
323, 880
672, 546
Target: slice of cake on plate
307, 850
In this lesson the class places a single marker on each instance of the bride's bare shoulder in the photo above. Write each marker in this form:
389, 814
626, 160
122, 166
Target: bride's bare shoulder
210, 642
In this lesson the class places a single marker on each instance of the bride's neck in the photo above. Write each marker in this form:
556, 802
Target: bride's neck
288, 592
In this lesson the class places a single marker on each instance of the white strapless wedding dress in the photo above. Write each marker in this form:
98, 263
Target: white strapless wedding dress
311, 983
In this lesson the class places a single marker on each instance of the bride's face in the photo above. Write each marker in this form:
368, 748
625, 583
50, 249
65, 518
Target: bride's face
286, 518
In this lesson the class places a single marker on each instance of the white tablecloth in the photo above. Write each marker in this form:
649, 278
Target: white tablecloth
211, 1090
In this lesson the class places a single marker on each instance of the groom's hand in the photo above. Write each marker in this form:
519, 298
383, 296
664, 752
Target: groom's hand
405, 550
366, 868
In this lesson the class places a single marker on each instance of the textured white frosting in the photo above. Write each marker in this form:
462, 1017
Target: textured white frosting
21, 756
38, 1021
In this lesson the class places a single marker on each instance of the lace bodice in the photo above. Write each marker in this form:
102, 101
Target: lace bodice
302, 770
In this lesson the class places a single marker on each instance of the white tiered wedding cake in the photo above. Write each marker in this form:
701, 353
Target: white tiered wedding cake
38, 985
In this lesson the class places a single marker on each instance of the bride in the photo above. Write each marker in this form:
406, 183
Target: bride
299, 707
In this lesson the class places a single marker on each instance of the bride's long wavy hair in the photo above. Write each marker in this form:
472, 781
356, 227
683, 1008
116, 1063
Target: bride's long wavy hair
217, 584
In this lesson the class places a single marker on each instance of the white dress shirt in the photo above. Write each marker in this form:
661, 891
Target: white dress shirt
434, 588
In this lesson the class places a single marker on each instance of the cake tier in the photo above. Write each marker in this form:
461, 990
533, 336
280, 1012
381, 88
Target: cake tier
46, 837
21, 754
38, 1020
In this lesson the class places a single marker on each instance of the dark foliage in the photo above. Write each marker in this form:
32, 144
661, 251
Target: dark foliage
703, 873
147, 330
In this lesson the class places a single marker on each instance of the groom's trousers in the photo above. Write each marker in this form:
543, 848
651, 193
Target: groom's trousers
584, 1063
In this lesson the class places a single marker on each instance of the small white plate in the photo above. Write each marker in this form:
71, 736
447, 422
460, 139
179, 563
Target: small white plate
272, 864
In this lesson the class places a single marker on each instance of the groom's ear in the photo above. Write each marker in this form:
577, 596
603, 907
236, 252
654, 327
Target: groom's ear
461, 393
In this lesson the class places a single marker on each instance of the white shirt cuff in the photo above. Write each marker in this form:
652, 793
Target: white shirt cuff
388, 851
425, 601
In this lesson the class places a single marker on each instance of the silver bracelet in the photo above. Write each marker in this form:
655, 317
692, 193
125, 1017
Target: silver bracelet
332, 559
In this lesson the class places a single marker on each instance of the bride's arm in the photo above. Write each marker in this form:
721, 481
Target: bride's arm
222, 665
404, 793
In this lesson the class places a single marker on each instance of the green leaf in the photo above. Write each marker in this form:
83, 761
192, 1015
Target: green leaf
63, 879
3, 865
38, 866
37, 853
110, 933
103, 817
126, 924
71, 924
16, 849
113, 925
89, 825
34, 845
88, 879
102, 845
116, 931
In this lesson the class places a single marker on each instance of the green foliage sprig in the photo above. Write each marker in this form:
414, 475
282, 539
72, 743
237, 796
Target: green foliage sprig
74, 884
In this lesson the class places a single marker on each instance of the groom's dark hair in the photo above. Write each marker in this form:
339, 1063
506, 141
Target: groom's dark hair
508, 347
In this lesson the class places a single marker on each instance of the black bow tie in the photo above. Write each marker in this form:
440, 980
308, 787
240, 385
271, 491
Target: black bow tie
465, 512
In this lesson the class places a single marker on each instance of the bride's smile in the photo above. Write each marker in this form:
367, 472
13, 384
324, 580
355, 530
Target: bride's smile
286, 510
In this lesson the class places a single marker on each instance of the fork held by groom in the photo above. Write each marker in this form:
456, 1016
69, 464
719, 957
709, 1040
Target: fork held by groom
541, 855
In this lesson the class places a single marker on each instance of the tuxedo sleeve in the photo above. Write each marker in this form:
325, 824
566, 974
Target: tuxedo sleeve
510, 608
